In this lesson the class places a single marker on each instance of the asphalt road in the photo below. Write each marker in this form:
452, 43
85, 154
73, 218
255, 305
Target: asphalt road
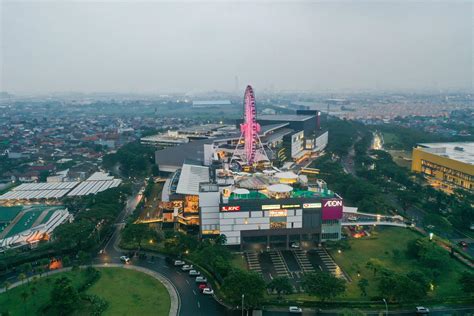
192, 301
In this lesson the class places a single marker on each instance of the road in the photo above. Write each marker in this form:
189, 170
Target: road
192, 301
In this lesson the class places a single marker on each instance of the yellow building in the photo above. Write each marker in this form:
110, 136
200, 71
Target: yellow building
447, 166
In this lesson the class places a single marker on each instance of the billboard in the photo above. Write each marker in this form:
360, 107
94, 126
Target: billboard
332, 208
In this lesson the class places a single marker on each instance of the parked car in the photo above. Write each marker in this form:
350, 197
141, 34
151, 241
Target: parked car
201, 279
208, 291
202, 286
352, 218
463, 244
194, 272
187, 267
295, 244
125, 259
178, 263
420, 310
295, 310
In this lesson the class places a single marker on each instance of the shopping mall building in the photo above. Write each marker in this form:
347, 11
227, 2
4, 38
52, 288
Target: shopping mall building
269, 208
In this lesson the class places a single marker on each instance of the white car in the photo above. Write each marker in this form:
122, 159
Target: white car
295, 244
420, 310
125, 259
194, 272
352, 218
207, 291
295, 310
201, 279
187, 267
178, 263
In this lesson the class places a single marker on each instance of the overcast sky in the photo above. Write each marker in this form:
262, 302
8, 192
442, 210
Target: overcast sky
196, 46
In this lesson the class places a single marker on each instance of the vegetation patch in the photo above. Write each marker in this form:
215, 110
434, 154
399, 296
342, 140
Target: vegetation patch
394, 250
88, 291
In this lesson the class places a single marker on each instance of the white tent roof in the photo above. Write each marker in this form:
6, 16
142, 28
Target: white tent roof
280, 188
241, 191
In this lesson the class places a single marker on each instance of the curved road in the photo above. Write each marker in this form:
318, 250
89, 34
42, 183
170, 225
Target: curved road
192, 301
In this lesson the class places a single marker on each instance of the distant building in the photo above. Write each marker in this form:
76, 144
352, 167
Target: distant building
210, 104
447, 166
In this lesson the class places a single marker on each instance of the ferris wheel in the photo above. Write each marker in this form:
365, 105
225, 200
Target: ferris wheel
253, 149
250, 128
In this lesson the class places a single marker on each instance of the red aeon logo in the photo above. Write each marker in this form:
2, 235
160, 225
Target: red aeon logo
332, 203
231, 208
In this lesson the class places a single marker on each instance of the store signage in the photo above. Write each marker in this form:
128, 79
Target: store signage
230, 208
312, 205
278, 213
271, 207
291, 206
332, 209
333, 203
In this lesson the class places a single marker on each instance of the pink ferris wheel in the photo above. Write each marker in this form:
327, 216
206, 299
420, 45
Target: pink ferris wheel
250, 128
252, 151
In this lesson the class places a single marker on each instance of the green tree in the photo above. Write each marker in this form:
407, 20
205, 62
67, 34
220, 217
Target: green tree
221, 239
323, 285
136, 233
467, 282
22, 277
6, 285
281, 285
240, 282
83, 257
64, 297
363, 284
24, 297
66, 261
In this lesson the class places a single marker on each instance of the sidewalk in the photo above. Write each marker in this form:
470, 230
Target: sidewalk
172, 291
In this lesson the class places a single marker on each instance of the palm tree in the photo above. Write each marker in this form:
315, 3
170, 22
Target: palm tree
6, 286
22, 277
33, 291
24, 297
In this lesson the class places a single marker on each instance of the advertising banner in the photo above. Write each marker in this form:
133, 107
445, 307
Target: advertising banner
332, 208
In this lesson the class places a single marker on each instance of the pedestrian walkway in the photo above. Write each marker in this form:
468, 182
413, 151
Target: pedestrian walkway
172, 291
278, 263
330, 265
303, 261
252, 261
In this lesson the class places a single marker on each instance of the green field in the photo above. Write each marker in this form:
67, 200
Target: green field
128, 293
389, 246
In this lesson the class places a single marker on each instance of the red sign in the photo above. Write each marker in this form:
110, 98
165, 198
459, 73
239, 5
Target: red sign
230, 208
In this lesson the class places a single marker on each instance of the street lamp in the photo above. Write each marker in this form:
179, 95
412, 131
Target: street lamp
243, 295
386, 307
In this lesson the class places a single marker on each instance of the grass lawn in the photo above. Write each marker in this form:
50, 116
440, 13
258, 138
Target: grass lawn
389, 246
238, 261
131, 293
127, 292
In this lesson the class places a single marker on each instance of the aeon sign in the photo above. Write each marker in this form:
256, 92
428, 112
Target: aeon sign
333, 203
332, 209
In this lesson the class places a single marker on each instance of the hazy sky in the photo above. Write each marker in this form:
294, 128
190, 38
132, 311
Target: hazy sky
193, 46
